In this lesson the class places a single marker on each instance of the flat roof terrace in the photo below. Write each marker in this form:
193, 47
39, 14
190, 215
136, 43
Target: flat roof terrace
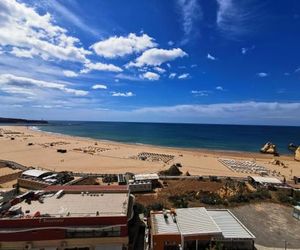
77, 205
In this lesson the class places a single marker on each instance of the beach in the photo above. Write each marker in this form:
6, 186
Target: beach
38, 149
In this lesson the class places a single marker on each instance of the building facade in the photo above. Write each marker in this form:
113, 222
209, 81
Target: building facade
67, 217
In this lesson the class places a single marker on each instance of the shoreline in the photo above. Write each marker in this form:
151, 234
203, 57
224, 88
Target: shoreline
257, 154
104, 156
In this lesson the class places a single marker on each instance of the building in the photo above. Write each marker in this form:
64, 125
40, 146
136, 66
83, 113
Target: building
38, 179
147, 177
198, 228
68, 217
259, 180
139, 186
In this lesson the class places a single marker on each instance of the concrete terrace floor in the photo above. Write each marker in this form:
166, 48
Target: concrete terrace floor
271, 224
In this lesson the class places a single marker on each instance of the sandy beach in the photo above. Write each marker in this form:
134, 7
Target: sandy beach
39, 149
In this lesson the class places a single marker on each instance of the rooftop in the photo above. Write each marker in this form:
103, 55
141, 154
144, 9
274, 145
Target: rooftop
199, 221
34, 172
142, 177
195, 221
262, 180
230, 226
78, 205
162, 225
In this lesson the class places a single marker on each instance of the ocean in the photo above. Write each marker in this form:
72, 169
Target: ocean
197, 136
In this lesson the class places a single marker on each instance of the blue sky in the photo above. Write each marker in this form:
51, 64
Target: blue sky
213, 61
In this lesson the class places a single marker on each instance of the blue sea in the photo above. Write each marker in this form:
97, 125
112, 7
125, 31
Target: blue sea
197, 136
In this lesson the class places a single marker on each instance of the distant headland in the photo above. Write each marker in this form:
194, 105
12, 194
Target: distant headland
21, 121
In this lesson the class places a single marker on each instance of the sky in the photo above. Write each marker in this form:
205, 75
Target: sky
190, 61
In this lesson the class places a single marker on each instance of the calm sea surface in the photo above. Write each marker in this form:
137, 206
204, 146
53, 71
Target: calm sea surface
218, 137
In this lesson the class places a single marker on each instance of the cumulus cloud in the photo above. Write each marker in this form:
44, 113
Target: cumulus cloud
99, 86
262, 74
25, 53
122, 94
30, 33
172, 75
121, 46
211, 57
70, 73
156, 57
159, 70
16, 84
151, 76
184, 76
100, 67
220, 88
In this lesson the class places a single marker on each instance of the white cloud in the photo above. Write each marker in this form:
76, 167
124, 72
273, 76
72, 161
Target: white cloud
262, 74
155, 57
201, 92
12, 83
194, 66
159, 70
246, 50
99, 86
121, 46
234, 16
211, 57
297, 70
239, 112
171, 43
184, 76
190, 13
70, 73
151, 76
122, 94
24, 28
25, 53
68, 15
100, 67
172, 75
220, 88
128, 77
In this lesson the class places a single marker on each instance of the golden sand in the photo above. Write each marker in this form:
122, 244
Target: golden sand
96, 156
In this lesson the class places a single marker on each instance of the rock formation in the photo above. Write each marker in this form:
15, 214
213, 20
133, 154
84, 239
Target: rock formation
269, 148
172, 171
292, 147
297, 154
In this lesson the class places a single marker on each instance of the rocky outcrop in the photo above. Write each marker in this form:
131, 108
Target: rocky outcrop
269, 148
292, 147
172, 171
297, 154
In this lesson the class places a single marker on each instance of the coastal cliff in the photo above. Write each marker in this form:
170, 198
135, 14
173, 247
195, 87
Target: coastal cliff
21, 121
